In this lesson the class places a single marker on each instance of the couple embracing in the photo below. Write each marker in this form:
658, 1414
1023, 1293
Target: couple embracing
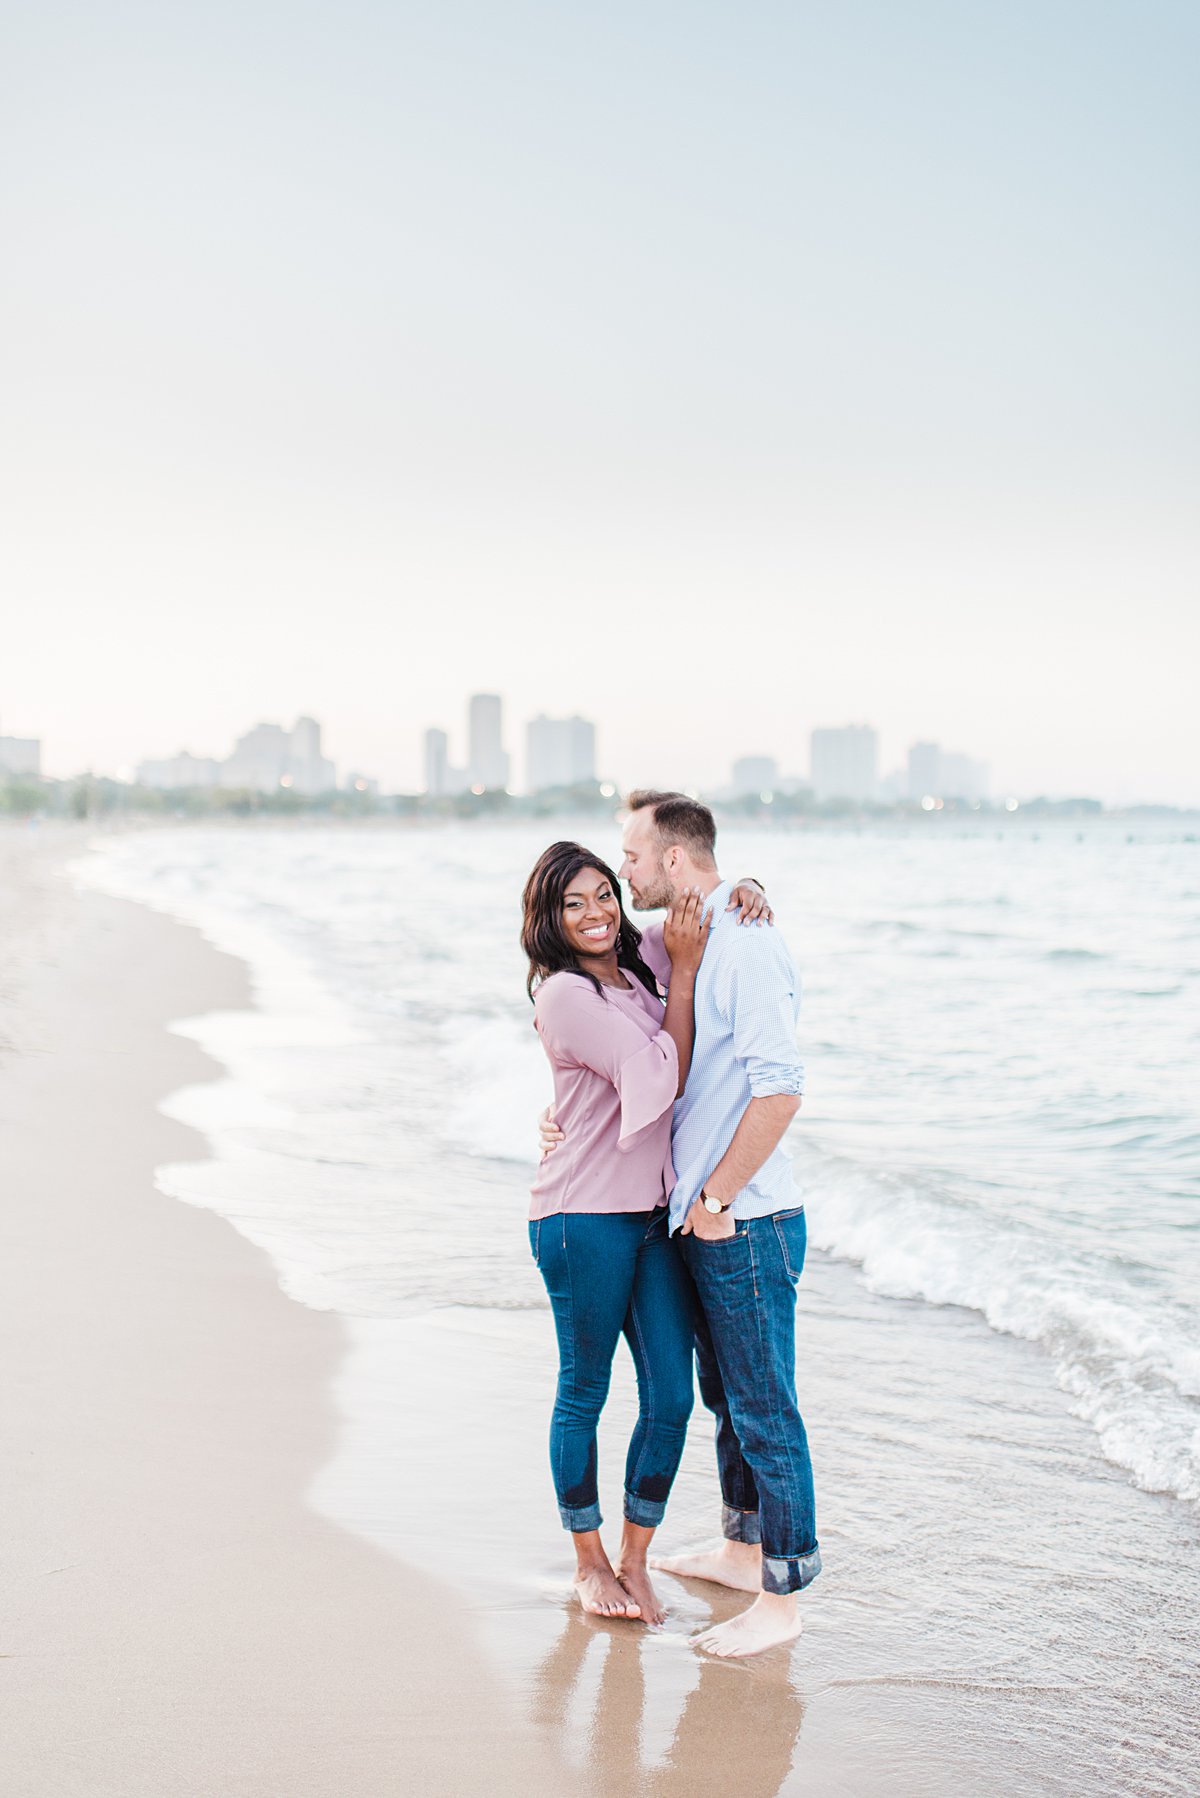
664, 1209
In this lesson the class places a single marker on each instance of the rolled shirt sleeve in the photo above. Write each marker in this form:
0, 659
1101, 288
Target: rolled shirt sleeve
578, 1024
760, 997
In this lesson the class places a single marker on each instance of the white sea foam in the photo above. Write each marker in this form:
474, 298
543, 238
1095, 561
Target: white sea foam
1132, 1367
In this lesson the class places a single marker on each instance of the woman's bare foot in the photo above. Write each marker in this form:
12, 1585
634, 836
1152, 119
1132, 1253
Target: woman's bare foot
602, 1594
636, 1581
736, 1564
773, 1619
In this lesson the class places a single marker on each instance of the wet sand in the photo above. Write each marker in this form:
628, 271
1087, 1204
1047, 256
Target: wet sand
177, 1620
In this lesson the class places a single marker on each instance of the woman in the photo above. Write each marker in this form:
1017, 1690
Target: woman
598, 1221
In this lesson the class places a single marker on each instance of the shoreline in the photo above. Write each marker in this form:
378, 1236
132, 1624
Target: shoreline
178, 1619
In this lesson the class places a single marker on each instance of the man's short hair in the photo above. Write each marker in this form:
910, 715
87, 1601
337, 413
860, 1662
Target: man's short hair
678, 819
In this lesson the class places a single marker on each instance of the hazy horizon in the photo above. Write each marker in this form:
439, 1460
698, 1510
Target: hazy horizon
716, 375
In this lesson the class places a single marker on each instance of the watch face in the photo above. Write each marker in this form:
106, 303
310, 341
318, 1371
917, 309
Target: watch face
713, 1205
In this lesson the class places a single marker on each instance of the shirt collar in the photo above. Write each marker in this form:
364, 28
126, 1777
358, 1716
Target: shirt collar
718, 899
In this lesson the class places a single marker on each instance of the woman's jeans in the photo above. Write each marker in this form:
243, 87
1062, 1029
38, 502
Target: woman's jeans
611, 1274
746, 1359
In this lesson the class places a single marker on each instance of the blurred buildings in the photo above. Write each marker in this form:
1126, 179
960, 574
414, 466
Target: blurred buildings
845, 763
559, 752
755, 774
20, 755
560, 755
269, 757
487, 759
179, 771
937, 773
264, 760
441, 780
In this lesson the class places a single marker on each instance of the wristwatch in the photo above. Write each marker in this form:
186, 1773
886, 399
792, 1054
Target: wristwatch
711, 1204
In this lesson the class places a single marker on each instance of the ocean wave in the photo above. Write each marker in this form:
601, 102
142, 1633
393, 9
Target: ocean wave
1128, 1358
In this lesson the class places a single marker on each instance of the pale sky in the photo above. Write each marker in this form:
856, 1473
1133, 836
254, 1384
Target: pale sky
715, 370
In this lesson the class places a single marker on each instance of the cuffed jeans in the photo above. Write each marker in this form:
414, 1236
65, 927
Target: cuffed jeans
746, 1359
611, 1274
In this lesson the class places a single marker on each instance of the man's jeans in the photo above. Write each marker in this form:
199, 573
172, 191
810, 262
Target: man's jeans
746, 1359
608, 1274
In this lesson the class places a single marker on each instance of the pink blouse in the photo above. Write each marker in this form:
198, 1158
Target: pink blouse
615, 1074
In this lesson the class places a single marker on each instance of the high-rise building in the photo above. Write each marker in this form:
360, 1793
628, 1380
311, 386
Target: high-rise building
845, 762
20, 755
487, 761
269, 757
559, 752
441, 779
937, 773
924, 771
755, 774
308, 770
259, 760
963, 777
437, 763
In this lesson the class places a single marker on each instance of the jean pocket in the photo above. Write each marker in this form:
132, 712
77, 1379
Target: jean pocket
723, 1242
535, 1239
791, 1228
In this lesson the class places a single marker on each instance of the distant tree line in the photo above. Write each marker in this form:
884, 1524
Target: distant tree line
96, 796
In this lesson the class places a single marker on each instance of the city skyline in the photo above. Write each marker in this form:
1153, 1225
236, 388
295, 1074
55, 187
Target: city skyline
393, 753
843, 764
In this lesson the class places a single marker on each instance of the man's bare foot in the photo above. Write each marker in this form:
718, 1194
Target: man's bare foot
636, 1581
602, 1594
736, 1564
773, 1618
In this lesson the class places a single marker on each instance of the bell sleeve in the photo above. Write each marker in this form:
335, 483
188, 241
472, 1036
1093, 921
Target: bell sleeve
580, 1026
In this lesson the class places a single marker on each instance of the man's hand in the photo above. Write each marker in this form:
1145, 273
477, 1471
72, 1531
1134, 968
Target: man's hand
709, 1226
750, 903
549, 1134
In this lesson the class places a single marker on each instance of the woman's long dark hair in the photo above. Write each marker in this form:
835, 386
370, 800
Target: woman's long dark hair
542, 935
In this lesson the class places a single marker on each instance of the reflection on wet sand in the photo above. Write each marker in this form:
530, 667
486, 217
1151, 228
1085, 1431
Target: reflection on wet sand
735, 1730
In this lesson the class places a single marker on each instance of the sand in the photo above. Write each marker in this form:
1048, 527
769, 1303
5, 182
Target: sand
176, 1619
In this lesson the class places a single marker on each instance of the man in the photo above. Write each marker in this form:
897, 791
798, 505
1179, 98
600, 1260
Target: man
741, 1228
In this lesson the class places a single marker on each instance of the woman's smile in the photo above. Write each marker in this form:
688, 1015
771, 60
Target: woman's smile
591, 914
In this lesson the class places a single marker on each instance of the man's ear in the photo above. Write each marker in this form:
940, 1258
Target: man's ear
672, 858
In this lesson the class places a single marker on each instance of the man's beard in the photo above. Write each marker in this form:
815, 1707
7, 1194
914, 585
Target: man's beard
656, 895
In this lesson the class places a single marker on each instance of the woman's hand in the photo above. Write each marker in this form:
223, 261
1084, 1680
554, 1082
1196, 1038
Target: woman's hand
549, 1134
685, 931
750, 903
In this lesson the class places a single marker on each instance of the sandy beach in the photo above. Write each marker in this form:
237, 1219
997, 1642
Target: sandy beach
258, 1548
176, 1619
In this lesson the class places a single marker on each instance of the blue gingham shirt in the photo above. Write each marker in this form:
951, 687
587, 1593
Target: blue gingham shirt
747, 1012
